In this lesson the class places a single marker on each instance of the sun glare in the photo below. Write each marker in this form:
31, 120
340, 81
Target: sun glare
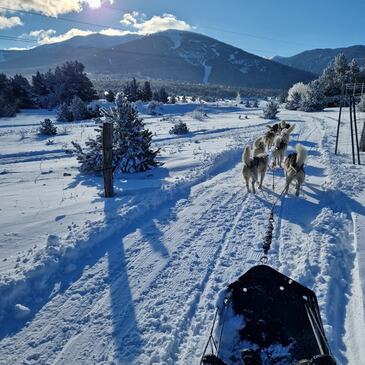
94, 4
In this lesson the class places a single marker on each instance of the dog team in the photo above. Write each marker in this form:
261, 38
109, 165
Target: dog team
276, 139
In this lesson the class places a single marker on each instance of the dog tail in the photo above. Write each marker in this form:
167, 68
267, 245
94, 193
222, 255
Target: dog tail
291, 128
246, 155
301, 154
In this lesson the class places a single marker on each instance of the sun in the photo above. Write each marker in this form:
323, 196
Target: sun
94, 4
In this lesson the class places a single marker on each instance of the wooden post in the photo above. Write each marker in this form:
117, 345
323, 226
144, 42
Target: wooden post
108, 159
339, 120
356, 133
352, 131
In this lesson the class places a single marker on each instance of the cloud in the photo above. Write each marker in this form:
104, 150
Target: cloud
136, 23
155, 24
9, 22
48, 36
53, 7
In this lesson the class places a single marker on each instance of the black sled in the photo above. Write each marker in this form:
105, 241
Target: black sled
267, 318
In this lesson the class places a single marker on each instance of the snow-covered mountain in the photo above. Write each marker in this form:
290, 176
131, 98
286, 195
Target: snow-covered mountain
316, 60
169, 55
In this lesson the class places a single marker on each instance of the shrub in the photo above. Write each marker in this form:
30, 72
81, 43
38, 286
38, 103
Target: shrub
47, 128
179, 128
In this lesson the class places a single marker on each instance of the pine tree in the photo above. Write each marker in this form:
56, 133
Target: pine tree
146, 92
271, 110
131, 142
156, 96
247, 104
163, 96
8, 103
64, 113
131, 90
21, 91
294, 102
78, 109
255, 104
47, 128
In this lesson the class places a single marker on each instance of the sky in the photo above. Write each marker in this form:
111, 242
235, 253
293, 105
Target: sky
263, 27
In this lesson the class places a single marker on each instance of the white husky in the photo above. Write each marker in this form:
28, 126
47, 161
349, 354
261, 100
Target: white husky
294, 168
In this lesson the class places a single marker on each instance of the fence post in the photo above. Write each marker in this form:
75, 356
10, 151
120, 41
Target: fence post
108, 159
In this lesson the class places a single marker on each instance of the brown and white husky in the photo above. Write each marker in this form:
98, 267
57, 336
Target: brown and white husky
294, 168
253, 167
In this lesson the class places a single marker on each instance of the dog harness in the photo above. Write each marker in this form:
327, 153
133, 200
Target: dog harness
292, 158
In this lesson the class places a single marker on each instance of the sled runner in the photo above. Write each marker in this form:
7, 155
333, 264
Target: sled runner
266, 318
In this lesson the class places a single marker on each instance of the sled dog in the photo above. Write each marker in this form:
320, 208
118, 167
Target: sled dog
259, 146
280, 145
253, 167
294, 168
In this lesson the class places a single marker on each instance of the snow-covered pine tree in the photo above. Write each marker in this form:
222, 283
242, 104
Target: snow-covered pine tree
313, 100
132, 150
270, 110
78, 109
247, 104
47, 128
64, 113
255, 104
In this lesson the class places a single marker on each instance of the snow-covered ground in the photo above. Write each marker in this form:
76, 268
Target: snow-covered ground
135, 279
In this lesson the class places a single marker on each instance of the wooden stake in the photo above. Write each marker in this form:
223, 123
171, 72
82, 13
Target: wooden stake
108, 159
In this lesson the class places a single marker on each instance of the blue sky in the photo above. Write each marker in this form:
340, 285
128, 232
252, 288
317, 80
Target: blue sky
263, 27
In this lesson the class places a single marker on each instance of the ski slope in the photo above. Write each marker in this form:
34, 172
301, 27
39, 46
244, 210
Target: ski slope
135, 279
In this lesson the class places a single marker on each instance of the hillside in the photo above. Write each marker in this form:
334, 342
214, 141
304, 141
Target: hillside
316, 60
169, 55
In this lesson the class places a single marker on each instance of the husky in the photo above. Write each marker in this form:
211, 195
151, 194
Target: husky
283, 125
294, 168
259, 146
280, 145
252, 167
269, 138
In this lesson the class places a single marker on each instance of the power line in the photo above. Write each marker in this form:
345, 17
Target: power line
124, 30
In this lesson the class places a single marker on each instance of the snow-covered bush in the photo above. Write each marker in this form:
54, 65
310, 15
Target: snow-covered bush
270, 110
78, 109
64, 113
307, 98
247, 104
179, 128
154, 108
198, 114
131, 142
47, 128
361, 104
255, 104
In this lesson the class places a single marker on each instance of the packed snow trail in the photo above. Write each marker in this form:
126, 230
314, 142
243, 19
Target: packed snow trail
147, 294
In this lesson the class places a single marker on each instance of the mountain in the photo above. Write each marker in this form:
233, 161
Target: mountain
169, 55
316, 60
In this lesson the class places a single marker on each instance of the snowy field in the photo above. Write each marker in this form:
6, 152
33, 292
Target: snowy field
135, 279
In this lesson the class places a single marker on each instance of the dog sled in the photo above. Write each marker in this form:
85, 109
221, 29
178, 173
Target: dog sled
266, 318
